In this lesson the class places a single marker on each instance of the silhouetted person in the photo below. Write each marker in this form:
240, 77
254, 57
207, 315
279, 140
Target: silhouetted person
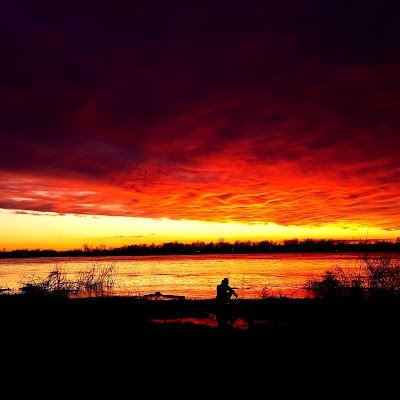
223, 311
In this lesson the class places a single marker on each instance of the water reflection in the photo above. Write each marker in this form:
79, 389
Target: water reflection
194, 277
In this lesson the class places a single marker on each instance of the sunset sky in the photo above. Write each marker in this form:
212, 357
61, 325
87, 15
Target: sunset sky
130, 122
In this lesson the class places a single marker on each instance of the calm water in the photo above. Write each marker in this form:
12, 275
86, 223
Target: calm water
194, 276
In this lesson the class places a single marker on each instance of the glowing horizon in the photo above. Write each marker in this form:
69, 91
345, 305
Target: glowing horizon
49, 231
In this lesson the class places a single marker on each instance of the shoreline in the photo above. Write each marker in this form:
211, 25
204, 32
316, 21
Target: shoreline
253, 317
109, 331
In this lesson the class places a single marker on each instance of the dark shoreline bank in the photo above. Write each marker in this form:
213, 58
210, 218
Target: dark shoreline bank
118, 335
293, 246
271, 316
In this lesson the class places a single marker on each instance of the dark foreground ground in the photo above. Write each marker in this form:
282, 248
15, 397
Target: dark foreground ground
119, 346
128, 319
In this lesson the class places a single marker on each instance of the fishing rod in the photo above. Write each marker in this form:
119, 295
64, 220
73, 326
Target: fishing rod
249, 287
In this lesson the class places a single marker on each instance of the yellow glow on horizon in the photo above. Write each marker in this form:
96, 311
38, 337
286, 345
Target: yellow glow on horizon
33, 230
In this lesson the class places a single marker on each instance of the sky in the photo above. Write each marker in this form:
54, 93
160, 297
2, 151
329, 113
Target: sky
139, 122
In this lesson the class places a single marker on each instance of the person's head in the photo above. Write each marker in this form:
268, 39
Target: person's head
225, 281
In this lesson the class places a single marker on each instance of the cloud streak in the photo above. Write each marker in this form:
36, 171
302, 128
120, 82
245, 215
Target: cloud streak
253, 113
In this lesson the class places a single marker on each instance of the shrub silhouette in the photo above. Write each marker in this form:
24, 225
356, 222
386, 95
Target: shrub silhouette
377, 276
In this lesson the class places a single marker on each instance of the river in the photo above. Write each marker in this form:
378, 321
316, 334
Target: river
194, 276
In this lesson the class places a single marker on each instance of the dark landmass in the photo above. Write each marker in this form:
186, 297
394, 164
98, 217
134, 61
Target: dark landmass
122, 321
220, 247
119, 344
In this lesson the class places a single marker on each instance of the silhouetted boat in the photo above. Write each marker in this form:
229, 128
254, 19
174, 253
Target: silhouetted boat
160, 296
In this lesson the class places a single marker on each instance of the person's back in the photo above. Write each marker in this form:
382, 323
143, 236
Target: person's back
224, 291
221, 293
224, 294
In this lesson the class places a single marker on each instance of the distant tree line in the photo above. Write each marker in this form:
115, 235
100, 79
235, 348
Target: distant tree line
219, 247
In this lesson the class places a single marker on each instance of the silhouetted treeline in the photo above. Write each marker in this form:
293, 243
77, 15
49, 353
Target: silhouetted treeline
220, 247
